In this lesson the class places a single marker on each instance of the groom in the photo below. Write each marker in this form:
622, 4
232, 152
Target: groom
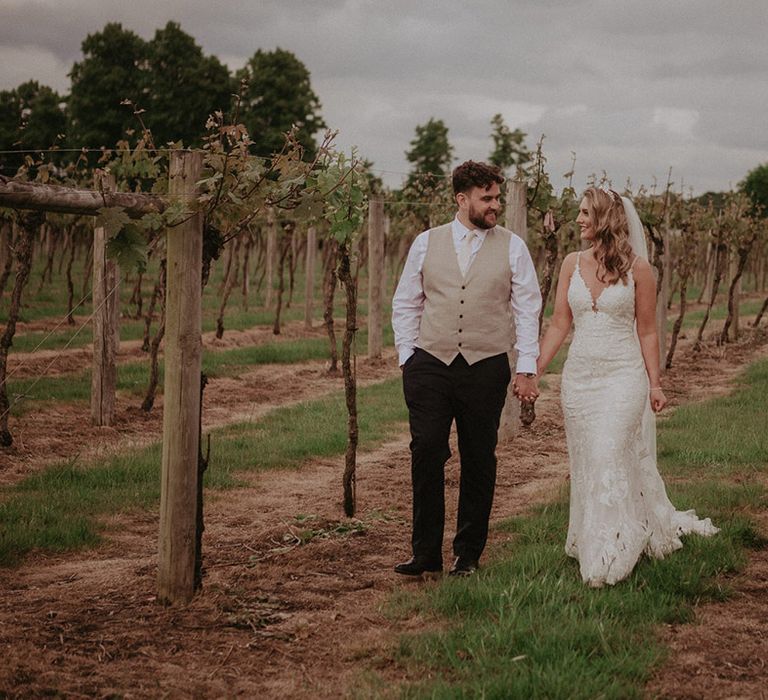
462, 285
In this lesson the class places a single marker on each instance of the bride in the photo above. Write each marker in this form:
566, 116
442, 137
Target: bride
611, 387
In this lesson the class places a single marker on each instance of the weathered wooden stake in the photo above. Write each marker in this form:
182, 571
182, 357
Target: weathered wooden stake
181, 400
246, 290
709, 273
733, 331
516, 219
106, 320
309, 280
375, 274
662, 301
270, 262
385, 271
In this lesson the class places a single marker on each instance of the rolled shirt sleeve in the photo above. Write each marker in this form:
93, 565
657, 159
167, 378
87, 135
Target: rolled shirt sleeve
525, 300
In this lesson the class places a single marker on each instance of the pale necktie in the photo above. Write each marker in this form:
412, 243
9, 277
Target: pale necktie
465, 251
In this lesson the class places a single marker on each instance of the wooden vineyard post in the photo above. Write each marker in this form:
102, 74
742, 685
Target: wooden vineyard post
733, 331
661, 301
309, 280
106, 320
181, 399
375, 274
269, 275
516, 219
385, 269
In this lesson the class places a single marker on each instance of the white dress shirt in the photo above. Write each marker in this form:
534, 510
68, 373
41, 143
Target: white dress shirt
525, 297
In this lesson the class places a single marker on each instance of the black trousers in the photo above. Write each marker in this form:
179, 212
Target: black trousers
436, 395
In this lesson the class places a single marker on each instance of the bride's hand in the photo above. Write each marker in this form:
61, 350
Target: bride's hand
525, 388
658, 400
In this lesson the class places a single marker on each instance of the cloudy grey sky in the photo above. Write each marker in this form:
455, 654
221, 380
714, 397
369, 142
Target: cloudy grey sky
631, 86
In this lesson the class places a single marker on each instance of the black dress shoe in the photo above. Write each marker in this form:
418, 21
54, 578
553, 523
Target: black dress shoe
464, 567
418, 566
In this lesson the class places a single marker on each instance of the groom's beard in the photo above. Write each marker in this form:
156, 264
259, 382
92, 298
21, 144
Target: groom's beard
481, 219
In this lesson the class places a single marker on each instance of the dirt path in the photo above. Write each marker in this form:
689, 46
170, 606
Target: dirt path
724, 654
294, 598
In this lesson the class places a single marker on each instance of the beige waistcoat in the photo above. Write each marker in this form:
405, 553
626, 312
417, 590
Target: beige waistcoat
469, 315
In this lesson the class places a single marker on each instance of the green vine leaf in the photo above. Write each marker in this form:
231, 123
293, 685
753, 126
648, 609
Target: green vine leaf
153, 221
343, 229
175, 213
112, 220
129, 248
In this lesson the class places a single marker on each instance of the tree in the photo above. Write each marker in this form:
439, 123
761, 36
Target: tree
43, 116
32, 117
9, 118
431, 152
112, 70
10, 131
278, 95
755, 185
183, 87
718, 200
427, 187
375, 184
508, 146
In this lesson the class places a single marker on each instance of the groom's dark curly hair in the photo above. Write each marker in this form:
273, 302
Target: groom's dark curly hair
472, 174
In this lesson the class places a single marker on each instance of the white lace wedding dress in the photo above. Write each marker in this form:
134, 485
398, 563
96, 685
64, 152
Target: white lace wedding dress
619, 506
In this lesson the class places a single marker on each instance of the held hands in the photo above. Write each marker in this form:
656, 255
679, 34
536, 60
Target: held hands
658, 400
526, 388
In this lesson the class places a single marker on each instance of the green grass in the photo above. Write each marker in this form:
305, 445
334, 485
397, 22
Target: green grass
527, 626
26, 394
61, 508
693, 319
289, 436
722, 436
76, 336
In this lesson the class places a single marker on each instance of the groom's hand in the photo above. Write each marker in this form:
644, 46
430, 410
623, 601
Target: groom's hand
526, 388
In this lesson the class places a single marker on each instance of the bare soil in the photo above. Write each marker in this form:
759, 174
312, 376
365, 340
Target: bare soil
295, 596
724, 654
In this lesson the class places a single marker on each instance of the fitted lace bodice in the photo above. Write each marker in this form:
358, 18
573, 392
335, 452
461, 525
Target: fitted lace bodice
614, 304
605, 325
619, 506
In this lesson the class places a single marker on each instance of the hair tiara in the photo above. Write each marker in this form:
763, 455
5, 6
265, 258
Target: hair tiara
615, 196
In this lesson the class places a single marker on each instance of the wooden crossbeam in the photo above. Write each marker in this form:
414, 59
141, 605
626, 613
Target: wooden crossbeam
69, 200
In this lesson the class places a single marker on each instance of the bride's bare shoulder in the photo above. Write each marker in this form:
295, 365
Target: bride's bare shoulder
641, 267
569, 262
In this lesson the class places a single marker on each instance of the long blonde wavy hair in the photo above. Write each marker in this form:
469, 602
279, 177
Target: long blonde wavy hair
612, 249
